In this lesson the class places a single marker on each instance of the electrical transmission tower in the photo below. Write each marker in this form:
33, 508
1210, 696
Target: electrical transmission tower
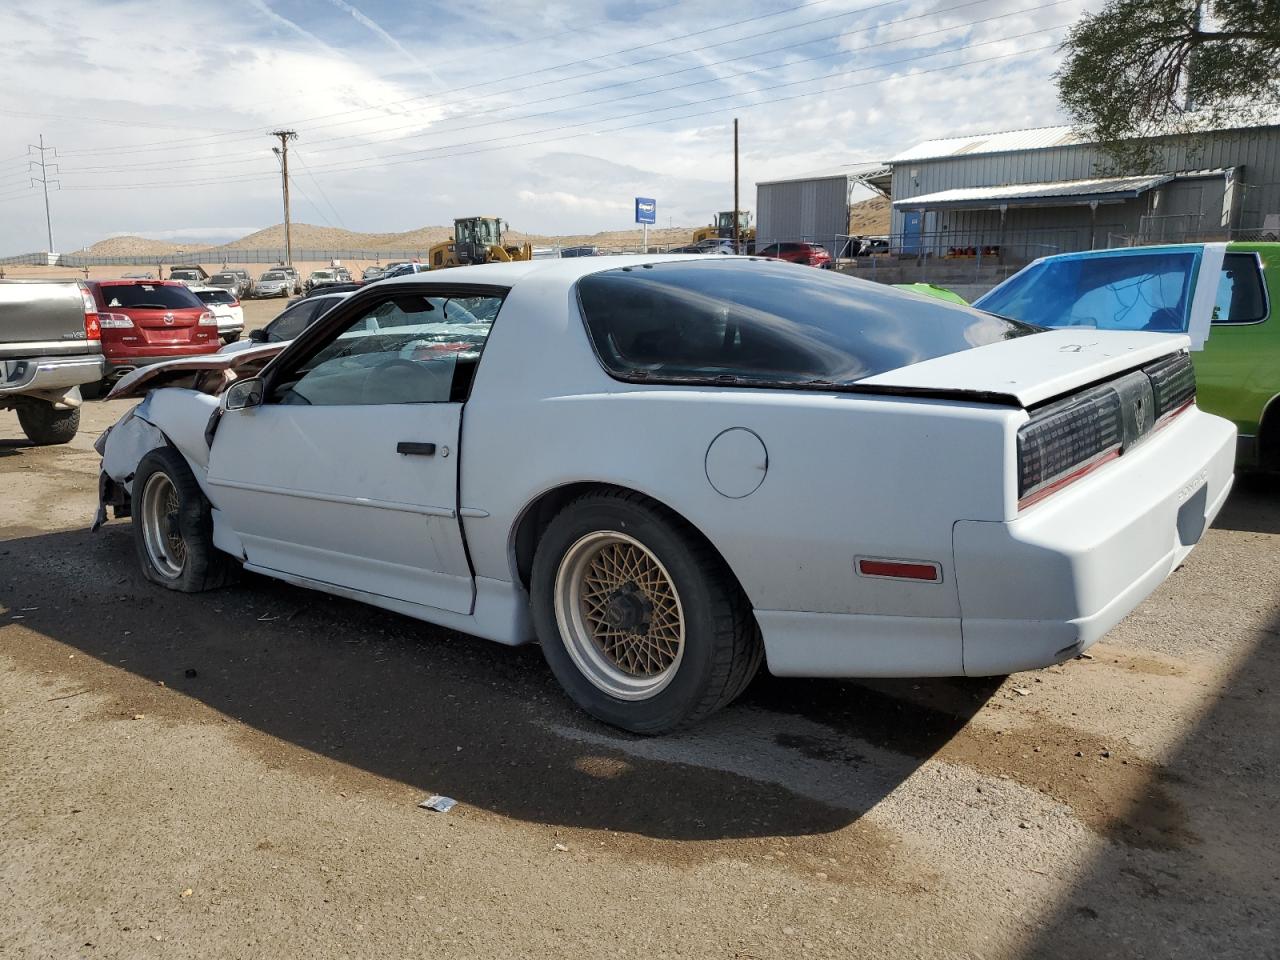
44, 181
282, 152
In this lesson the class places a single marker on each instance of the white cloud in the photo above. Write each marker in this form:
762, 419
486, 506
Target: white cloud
392, 152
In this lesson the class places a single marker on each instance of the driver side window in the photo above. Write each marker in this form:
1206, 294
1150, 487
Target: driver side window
409, 348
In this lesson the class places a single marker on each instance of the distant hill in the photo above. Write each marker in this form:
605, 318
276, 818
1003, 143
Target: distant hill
870, 218
308, 236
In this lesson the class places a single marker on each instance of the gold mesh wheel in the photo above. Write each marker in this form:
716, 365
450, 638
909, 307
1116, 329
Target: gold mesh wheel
166, 549
619, 615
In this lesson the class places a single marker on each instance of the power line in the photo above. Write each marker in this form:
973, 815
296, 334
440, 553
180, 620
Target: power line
323, 195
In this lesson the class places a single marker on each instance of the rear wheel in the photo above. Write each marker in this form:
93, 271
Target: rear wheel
640, 619
173, 527
45, 425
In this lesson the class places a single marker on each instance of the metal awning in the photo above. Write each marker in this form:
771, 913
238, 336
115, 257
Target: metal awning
1061, 193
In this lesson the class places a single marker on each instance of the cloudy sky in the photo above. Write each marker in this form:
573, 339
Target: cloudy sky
552, 114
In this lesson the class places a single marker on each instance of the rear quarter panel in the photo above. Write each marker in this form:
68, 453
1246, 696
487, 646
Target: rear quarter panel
846, 475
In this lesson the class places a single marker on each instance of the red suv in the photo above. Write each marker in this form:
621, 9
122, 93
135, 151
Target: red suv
814, 254
146, 321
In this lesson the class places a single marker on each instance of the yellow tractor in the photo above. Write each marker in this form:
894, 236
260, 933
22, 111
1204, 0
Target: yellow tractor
476, 240
722, 229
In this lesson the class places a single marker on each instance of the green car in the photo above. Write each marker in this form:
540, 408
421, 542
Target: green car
929, 290
1225, 296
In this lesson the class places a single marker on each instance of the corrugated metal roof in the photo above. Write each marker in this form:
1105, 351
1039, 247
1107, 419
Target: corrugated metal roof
847, 170
1069, 191
1037, 138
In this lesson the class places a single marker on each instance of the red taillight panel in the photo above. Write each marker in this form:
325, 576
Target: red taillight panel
920, 570
92, 328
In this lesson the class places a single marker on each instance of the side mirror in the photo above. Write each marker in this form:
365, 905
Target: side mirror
259, 335
243, 394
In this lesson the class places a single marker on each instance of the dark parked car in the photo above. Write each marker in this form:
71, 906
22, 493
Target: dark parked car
584, 251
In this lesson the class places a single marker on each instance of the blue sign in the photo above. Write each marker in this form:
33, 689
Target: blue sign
646, 210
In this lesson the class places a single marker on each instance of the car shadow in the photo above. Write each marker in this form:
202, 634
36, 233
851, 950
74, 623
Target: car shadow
1254, 506
1208, 886
447, 713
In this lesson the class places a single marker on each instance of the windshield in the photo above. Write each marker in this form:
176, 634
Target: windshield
725, 322
322, 275
272, 275
215, 296
1150, 290
483, 232
152, 296
221, 278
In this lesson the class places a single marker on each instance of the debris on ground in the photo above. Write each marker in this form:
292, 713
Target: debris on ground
438, 803
560, 848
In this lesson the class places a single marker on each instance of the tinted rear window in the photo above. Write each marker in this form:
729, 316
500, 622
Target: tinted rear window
148, 295
216, 296
768, 323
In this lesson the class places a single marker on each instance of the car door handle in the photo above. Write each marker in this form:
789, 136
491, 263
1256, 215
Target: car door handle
411, 448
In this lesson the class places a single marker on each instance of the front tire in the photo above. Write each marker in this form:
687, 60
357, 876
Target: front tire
173, 527
640, 620
45, 425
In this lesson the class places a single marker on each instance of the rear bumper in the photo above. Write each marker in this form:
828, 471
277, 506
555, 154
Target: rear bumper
48, 373
1043, 587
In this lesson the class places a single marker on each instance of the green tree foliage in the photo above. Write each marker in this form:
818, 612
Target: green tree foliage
1141, 68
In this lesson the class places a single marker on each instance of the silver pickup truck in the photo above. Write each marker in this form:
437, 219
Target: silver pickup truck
50, 343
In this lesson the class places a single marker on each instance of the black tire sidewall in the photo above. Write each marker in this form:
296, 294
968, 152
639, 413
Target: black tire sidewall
194, 520
688, 688
45, 425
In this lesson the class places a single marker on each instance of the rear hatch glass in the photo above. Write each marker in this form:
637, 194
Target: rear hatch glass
161, 313
768, 323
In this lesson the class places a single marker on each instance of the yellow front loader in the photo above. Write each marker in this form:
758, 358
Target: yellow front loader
476, 240
722, 228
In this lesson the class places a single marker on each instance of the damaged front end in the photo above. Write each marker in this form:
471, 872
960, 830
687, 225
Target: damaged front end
179, 409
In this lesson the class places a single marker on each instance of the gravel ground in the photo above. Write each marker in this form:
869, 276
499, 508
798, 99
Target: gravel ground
236, 774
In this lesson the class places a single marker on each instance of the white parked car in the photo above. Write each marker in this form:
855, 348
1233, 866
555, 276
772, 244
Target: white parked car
224, 305
668, 468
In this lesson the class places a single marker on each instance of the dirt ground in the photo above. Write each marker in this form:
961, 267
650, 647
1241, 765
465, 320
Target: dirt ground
236, 774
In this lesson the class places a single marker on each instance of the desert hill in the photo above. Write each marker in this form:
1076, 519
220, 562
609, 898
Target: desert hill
868, 217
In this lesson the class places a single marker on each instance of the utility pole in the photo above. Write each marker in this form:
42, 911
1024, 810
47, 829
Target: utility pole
737, 246
282, 152
43, 179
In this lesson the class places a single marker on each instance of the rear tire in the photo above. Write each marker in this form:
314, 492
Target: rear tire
640, 620
173, 527
46, 426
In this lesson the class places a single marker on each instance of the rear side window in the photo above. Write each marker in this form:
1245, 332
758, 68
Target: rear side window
148, 296
767, 323
1242, 295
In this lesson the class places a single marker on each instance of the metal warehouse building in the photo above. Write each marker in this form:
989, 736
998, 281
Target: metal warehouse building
1026, 193
814, 206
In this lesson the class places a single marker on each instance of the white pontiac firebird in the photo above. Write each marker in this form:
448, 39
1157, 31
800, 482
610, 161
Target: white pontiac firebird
668, 468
